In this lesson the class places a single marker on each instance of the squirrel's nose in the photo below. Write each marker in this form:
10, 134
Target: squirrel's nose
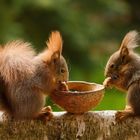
115, 76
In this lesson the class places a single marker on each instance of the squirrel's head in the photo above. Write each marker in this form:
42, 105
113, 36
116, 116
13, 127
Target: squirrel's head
56, 62
119, 66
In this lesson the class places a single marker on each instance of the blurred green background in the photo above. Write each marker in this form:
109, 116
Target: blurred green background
92, 30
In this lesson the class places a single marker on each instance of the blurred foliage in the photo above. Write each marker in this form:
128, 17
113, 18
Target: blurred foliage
92, 30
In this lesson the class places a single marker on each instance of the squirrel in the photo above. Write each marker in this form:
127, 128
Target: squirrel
122, 71
26, 78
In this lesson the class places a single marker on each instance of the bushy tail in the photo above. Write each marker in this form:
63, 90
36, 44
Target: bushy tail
16, 61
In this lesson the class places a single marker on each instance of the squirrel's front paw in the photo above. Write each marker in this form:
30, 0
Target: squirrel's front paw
63, 86
106, 82
123, 115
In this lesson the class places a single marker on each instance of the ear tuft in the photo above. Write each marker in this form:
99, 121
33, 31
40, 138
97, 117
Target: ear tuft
55, 42
130, 40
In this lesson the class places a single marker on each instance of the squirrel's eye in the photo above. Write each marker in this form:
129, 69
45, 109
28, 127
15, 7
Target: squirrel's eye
62, 70
112, 66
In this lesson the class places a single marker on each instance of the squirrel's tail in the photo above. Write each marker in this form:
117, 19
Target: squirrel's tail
16, 61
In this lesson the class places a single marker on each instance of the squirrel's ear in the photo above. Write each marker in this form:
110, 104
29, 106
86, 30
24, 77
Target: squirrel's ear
1, 48
55, 57
124, 52
130, 40
55, 42
53, 52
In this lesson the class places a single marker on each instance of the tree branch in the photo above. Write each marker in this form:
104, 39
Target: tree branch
98, 125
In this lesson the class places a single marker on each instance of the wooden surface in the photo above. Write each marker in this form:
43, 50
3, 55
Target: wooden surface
98, 125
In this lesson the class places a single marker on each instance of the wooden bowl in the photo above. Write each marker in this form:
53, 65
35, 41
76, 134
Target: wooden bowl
81, 97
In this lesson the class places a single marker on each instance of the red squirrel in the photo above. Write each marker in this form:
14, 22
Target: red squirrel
123, 72
26, 77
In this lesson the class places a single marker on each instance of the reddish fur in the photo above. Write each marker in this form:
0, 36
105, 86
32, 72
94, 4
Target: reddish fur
54, 46
27, 77
57, 44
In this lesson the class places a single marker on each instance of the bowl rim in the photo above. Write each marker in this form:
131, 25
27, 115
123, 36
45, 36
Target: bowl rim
101, 87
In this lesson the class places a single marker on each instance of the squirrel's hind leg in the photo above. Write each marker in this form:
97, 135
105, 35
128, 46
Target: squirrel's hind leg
124, 114
45, 114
